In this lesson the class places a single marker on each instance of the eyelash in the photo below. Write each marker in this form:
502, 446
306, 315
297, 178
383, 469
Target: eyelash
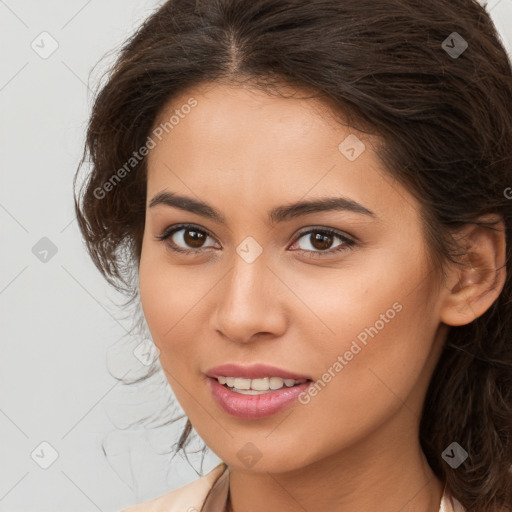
346, 245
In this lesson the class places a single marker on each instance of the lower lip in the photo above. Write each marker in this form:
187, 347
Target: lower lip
255, 406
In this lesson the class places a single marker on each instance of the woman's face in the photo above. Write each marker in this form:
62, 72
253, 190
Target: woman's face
355, 312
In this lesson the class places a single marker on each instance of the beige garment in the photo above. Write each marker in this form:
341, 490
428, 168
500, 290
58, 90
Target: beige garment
210, 493
193, 496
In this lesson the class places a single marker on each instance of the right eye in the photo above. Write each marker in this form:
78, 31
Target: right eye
191, 236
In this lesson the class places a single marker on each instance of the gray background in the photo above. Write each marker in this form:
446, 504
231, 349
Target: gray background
63, 340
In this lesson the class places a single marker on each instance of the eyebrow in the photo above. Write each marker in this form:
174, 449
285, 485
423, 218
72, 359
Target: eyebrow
276, 215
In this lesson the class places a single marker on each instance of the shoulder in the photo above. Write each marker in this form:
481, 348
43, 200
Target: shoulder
185, 499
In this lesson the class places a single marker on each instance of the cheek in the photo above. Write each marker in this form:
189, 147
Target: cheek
377, 360
380, 337
177, 301
168, 295
168, 298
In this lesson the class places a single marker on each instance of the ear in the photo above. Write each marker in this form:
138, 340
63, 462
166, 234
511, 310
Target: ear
472, 286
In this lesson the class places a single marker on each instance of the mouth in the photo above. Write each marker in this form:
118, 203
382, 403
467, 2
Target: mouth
258, 391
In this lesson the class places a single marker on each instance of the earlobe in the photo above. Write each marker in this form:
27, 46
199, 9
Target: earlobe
473, 285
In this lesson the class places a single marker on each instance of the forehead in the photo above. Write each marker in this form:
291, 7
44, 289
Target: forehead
229, 114
240, 142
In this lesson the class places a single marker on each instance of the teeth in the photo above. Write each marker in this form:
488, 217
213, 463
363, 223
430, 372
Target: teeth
257, 386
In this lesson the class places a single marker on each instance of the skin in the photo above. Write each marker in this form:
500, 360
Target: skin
355, 445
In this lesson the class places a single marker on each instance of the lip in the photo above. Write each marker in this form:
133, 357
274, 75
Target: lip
255, 406
255, 371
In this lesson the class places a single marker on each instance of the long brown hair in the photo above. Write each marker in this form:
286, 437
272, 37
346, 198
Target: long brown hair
430, 77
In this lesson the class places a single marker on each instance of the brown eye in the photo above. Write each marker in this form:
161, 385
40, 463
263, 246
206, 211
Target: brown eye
184, 238
320, 242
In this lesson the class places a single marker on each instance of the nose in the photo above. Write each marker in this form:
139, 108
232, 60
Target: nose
249, 303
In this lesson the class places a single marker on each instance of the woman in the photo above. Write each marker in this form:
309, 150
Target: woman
310, 200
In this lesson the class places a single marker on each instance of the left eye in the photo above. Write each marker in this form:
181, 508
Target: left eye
320, 240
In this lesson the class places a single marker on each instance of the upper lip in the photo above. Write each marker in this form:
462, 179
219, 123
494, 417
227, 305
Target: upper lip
254, 371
